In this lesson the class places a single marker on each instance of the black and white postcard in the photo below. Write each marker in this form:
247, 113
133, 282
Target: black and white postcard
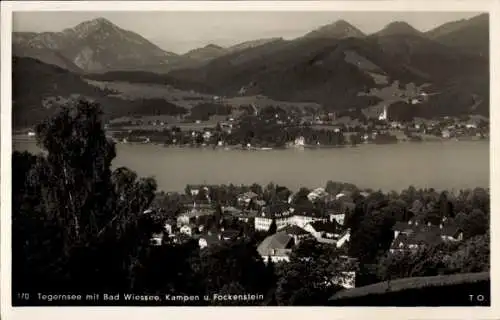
240, 154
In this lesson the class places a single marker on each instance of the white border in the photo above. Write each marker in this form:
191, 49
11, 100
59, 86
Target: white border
242, 313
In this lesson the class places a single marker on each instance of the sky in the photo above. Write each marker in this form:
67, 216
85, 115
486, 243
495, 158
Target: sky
180, 32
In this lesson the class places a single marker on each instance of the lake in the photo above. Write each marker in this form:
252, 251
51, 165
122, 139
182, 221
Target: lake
440, 165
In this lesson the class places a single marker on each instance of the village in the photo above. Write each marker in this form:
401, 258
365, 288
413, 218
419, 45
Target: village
274, 128
288, 219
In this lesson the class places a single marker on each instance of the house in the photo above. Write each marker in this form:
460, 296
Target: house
300, 141
446, 231
200, 205
337, 217
232, 211
277, 247
451, 232
245, 198
364, 194
343, 238
195, 189
259, 204
246, 215
282, 213
415, 240
229, 235
404, 228
303, 218
339, 209
297, 233
192, 216
207, 135
320, 229
209, 239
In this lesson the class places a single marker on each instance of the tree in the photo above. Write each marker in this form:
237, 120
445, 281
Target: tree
257, 189
273, 227
475, 224
426, 261
373, 236
80, 231
313, 274
471, 256
236, 265
218, 214
461, 220
300, 198
81, 165
445, 206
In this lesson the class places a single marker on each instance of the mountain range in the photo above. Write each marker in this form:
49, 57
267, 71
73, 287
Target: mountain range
335, 65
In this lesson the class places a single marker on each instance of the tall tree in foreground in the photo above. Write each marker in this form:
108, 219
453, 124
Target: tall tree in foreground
84, 217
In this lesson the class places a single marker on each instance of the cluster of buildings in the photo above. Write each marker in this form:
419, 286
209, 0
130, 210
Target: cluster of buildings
292, 224
415, 234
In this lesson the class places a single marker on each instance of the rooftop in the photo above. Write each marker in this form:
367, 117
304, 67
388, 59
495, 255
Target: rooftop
277, 241
329, 227
294, 230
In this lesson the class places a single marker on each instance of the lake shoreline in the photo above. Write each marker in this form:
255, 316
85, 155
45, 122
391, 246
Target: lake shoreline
24, 138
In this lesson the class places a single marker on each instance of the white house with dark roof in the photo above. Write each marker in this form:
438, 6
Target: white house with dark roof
324, 230
339, 210
296, 232
302, 219
415, 234
194, 190
278, 247
282, 213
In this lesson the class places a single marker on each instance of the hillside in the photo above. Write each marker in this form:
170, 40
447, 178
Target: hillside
251, 44
94, 46
208, 52
471, 35
35, 84
334, 73
446, 290
335, 66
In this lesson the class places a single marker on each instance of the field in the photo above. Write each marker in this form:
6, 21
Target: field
389, 95
188, 99
133, 91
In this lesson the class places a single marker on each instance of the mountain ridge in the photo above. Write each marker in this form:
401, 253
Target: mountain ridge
339, 72
95, 45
